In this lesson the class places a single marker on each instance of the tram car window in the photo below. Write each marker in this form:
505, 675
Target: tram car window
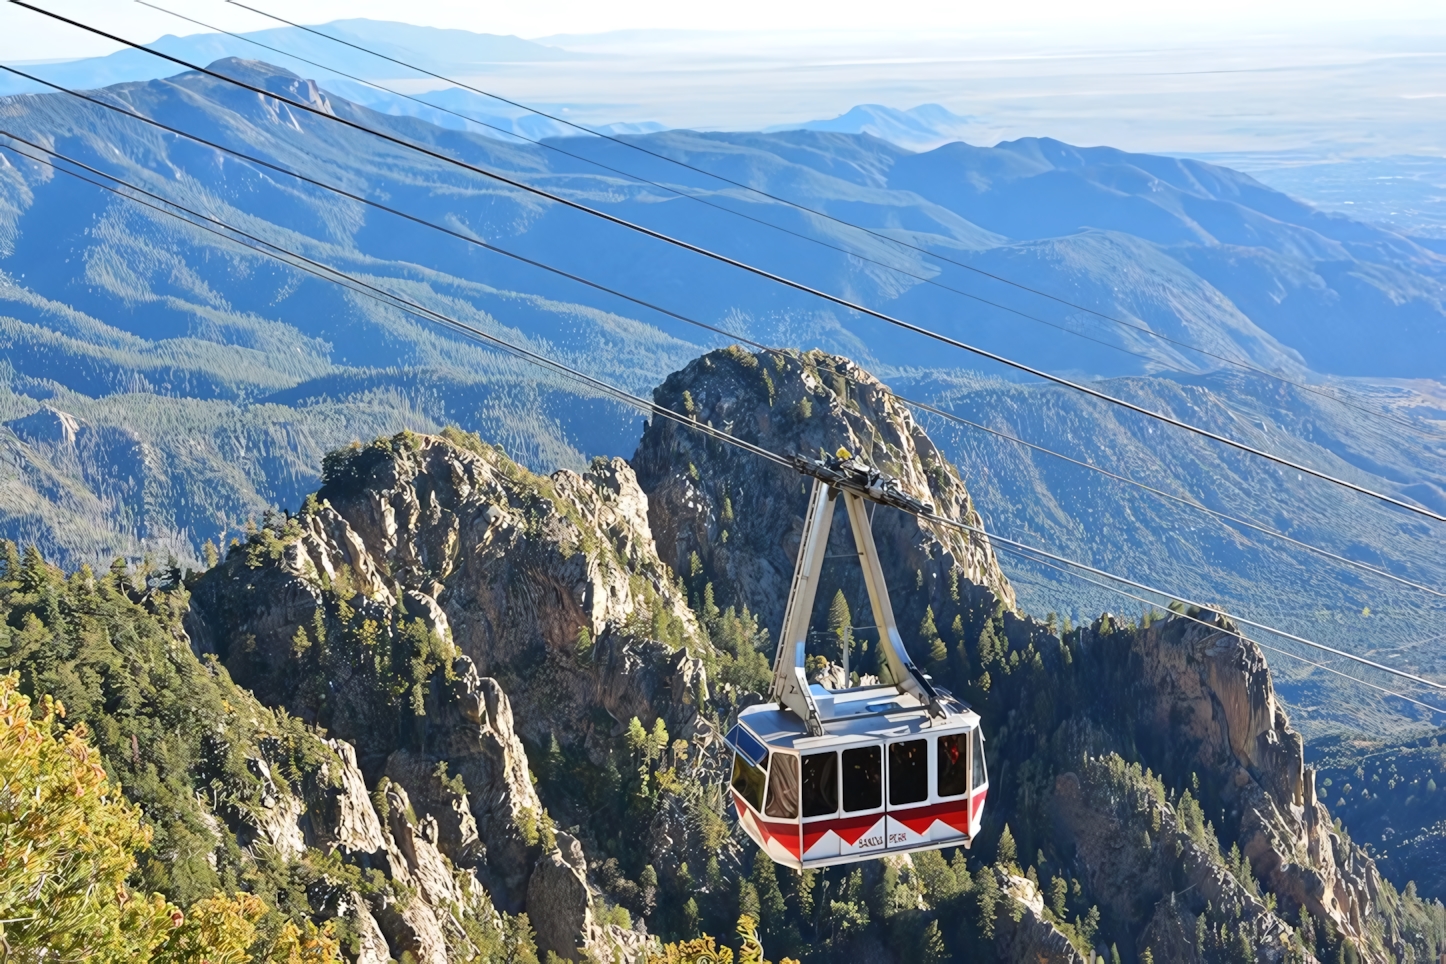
782, 786
820, 784
748, 781
908, 772
953, 765
862, 789
981, 777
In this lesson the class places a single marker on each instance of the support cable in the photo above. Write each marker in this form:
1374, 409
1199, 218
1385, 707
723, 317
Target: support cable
1001, 540
1273, 649
328, 273
923, 406
751, 269
1191, 503
352, 283
1145, 329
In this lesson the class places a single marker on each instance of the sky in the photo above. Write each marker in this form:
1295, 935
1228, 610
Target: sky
1259, 76
27, 36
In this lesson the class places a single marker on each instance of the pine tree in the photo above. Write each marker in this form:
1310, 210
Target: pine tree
989, 652
748, 899
840, 623
691, 918
806, 883
770, 896
938, 652
927, 629
657, 740
637, 738
986, 902
932, 949
1007, 855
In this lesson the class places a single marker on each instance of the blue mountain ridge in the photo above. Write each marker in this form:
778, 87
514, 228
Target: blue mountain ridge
222, 377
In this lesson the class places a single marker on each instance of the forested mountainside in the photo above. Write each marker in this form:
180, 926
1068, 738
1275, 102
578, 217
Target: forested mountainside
448, 692
1225, 557
1389, 793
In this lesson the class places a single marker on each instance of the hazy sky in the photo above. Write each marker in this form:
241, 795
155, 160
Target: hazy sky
1257, 76
25, 35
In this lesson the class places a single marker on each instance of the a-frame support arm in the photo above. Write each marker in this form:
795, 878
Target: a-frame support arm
790, 681
904, 674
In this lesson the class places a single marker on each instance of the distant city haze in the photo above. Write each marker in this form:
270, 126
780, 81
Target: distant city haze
1252, 77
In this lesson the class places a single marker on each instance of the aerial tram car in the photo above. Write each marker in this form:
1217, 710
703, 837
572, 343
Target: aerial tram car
834, 776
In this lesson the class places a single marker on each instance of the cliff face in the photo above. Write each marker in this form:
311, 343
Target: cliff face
1212, 841
436, 606
742, 517
1212, 694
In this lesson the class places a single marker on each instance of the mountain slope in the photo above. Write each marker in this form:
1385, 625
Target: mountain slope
206, 382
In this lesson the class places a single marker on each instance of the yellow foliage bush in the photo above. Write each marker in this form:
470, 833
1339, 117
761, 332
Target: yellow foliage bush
67, 843
704, 950
68, 840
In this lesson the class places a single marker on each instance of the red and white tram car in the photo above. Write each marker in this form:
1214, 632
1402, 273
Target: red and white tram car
824, 776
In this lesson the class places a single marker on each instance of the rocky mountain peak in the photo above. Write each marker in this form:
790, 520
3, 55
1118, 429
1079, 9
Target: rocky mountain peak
737, 520
437, 605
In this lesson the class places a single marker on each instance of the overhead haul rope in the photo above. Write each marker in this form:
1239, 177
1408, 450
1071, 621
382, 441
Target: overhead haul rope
673, 314
745, 266
351, 283
1240, 363
965, 527
925, 279
1283, 652
1191, 503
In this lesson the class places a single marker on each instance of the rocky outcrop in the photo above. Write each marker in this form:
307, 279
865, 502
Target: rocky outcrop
501, 605
741, 517
339, 812
1212, 700
1149, 869
1022, 931
472, 783
559, 897
371, 945
524, 568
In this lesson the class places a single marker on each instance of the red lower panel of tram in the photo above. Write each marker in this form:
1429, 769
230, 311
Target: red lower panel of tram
832, 837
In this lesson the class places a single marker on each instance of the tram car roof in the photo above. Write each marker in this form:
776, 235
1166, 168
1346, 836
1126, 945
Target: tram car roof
865, 714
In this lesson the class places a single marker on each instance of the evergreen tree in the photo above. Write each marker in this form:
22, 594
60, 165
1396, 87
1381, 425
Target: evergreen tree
1007, 856
986, 902
748, 899
840, 623
932, 949
929, 633
770, 897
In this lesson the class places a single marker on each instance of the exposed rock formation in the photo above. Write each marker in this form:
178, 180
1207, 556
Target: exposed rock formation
1214, 697
1148, 867
559, 897
459, 579
742, 517
1022, 932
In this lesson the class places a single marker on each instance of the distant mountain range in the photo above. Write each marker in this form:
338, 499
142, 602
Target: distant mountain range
919, 129
446, 51
162, 385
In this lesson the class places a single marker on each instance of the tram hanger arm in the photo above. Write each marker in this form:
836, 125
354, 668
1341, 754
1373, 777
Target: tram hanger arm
852, 474
790, 679
857, 482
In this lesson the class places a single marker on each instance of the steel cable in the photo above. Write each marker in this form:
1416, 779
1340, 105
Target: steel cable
752, 269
